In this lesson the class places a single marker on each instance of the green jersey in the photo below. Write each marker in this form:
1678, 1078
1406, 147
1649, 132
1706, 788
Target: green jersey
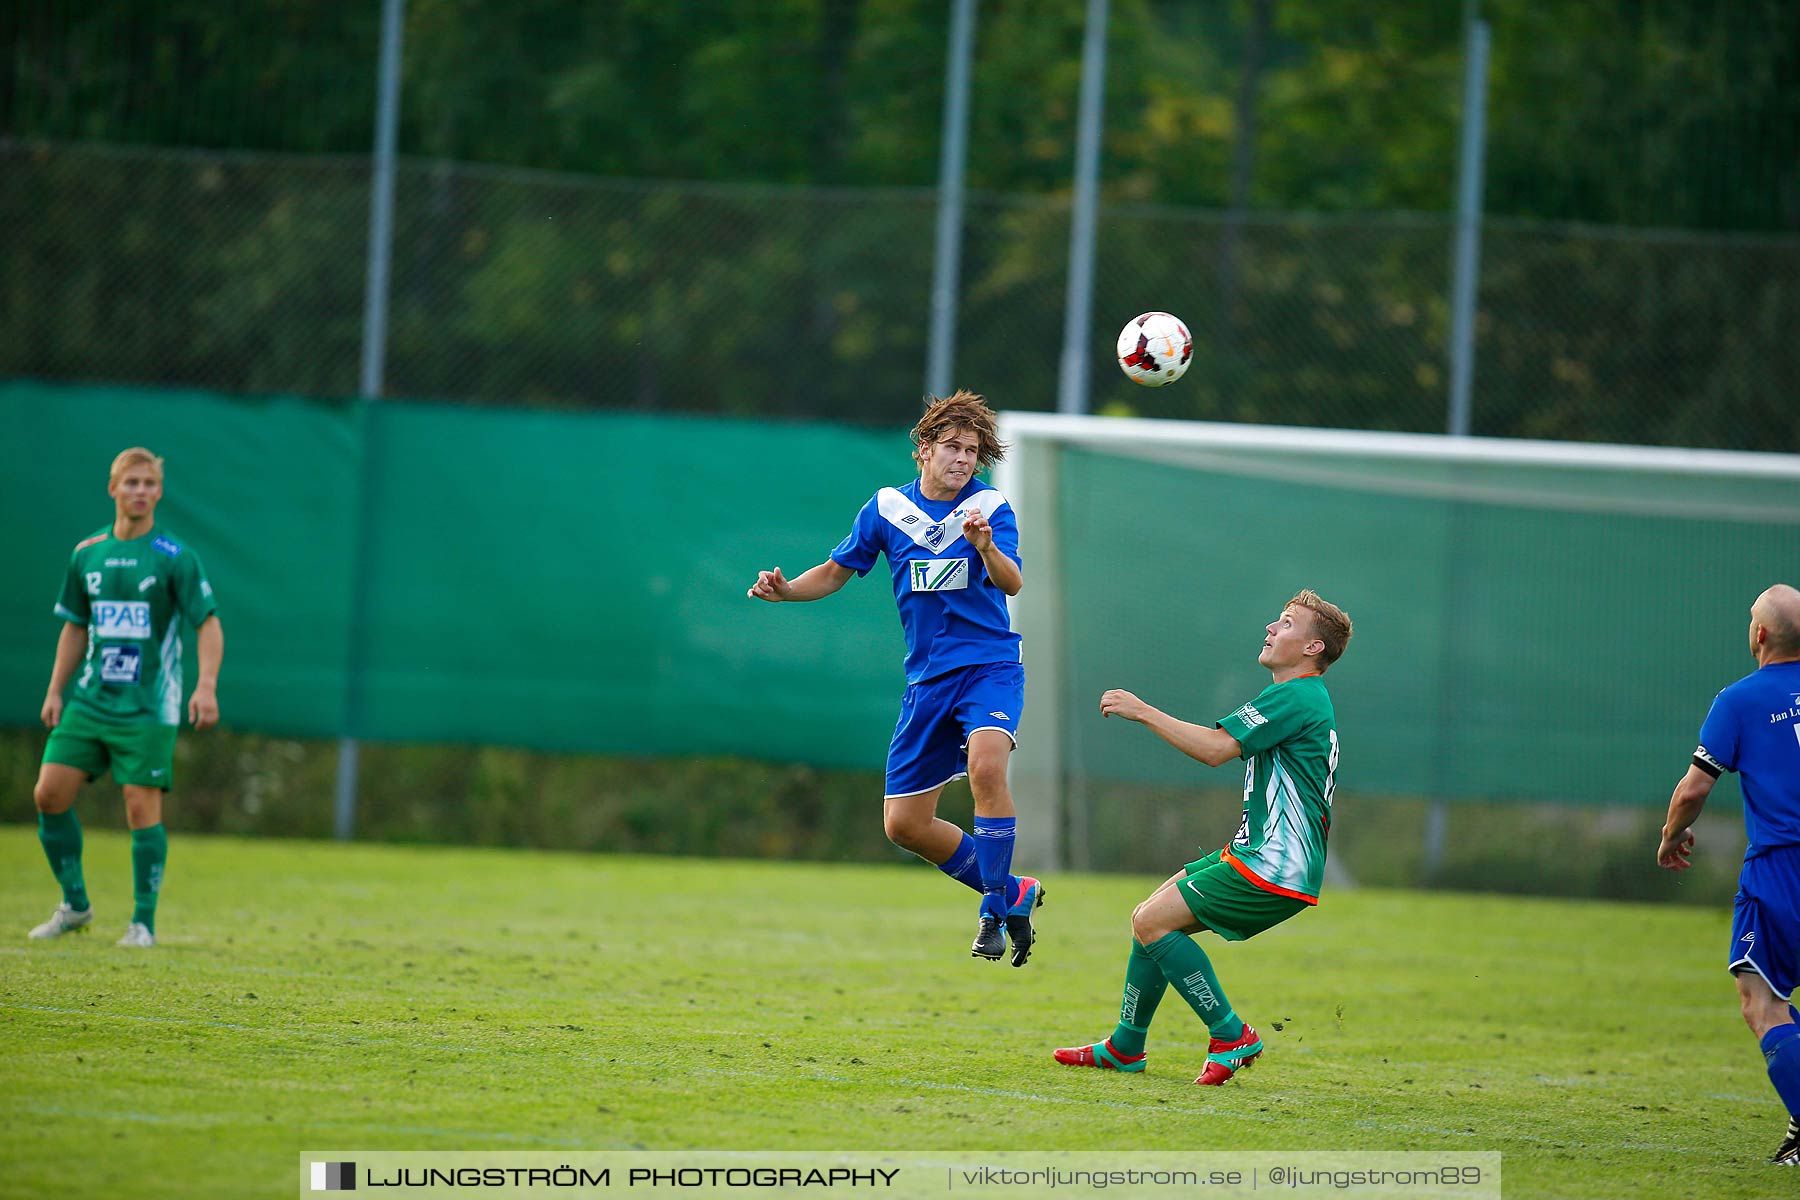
1290, 752
133, 597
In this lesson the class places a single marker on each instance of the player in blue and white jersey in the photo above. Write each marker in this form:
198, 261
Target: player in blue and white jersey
952, 546
1753, 728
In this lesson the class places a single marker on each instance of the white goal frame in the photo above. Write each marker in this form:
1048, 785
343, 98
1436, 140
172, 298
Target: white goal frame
1029, 478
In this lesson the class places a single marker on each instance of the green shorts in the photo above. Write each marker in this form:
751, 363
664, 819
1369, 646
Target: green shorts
1230, 905
140, 752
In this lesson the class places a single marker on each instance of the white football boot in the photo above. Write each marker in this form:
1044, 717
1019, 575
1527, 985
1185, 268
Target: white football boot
63, 920
137, 934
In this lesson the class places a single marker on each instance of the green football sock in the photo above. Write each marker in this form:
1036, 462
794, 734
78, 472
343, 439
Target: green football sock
60, 834
1186, 966
1145, 984
149, 851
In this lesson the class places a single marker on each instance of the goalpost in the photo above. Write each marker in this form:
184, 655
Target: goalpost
1534, 621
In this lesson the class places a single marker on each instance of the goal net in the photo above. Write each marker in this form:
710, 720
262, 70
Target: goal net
1534, 621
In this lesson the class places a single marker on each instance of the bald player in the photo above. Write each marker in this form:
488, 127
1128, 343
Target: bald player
1753, 729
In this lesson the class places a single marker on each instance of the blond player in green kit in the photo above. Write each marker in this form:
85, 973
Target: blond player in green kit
1287, 739
129, 590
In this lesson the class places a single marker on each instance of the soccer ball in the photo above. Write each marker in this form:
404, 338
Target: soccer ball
1154, 349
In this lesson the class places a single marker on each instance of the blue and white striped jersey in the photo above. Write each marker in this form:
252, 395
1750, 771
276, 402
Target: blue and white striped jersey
953, 614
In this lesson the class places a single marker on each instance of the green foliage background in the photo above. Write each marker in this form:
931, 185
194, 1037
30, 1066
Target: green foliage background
727, 206
1631, 112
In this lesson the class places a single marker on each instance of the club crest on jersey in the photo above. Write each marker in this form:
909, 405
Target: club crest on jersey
122, 618
934, 535
939, 574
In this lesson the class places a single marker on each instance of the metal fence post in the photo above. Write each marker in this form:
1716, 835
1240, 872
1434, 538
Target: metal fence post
1072, 392
945, 273
1465, 277
374, 361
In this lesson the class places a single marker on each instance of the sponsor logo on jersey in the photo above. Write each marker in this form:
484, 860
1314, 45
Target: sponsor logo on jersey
206, 589
166, 546
121, 562
121, 664
939, 574
122, 618
1250, 717
149, 581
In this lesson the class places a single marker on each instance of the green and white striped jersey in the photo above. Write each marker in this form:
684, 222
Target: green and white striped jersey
133, 597
1290, 752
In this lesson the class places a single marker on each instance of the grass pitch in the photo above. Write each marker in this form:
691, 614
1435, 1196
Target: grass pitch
309, 996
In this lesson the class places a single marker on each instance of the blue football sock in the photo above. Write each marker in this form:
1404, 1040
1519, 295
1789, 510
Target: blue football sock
993, 854
1781, 1050
962, 865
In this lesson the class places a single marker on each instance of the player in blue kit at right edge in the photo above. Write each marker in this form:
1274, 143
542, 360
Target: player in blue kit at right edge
952, 545
1754, 729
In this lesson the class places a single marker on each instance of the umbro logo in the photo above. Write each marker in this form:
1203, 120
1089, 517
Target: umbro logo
1002, 716
1749, 937
909, 519
155, 772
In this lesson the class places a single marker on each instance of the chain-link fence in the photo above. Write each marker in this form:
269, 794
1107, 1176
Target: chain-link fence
245, 274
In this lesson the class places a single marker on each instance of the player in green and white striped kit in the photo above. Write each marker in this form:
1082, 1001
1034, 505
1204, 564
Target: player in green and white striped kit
1287, 737
129, 589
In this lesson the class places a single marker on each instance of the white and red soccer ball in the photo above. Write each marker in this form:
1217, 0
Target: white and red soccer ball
1155, 348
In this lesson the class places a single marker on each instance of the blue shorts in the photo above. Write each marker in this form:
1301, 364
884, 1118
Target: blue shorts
1765, 918
940, 715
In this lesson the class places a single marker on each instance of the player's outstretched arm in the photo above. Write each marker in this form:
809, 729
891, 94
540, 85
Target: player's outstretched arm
1204, 743
1684, 806
209, 649
815, 584
71, 648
